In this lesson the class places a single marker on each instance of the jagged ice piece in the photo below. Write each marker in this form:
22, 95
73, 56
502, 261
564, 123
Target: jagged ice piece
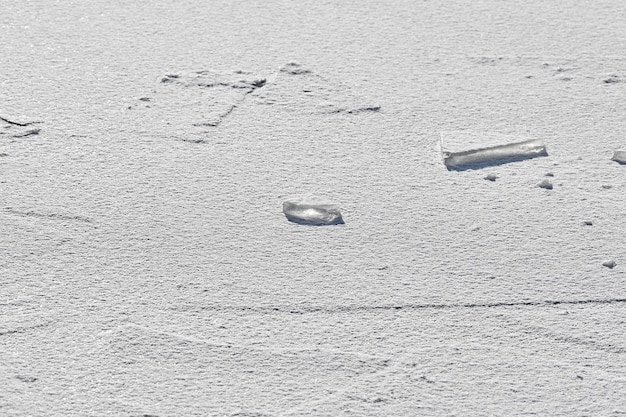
619, 156
466, 149
312, 214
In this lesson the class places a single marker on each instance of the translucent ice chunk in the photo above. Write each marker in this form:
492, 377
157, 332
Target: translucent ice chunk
469, 149
545, 184
619, 156
609, 264
312, 214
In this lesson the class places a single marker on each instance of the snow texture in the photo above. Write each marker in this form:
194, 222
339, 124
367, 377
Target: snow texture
146, 268
467, 150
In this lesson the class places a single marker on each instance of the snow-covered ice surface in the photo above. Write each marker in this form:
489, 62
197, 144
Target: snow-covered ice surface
146, 267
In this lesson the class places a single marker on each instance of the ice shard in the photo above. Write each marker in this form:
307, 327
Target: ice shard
465, 149
304, 212
619, 156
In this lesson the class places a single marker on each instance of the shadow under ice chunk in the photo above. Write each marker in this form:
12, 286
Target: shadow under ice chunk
312, 214
473, 150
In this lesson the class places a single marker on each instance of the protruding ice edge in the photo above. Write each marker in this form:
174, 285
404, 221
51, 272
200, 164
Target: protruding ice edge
619, 156
495, 155
312, 214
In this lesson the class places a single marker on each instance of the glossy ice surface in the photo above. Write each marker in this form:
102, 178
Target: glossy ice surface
619, 156
463, 150
312, 214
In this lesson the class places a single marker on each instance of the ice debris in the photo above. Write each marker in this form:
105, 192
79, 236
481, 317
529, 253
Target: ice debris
612, 79
469, 149
609, 264
619, 156
314, 214
545, 184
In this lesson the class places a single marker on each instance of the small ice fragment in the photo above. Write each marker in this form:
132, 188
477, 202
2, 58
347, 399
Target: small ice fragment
463, 149
545, 184
612, 79
619, 156
609, 264
312, 214
490, 177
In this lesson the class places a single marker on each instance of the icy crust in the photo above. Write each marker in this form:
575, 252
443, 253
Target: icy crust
312, 214
494, 155
619, 156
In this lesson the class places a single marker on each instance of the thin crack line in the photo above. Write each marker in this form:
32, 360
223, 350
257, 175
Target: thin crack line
279, 350
24, 328
563, 338
53, 216
17, 123
249, 90
305, 310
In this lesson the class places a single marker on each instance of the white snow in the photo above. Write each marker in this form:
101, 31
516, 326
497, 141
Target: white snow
146, 268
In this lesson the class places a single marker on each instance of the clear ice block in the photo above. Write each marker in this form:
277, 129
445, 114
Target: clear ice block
312, 214
619, 156
463, 149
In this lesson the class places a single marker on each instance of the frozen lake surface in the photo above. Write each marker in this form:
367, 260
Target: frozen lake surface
147, 267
